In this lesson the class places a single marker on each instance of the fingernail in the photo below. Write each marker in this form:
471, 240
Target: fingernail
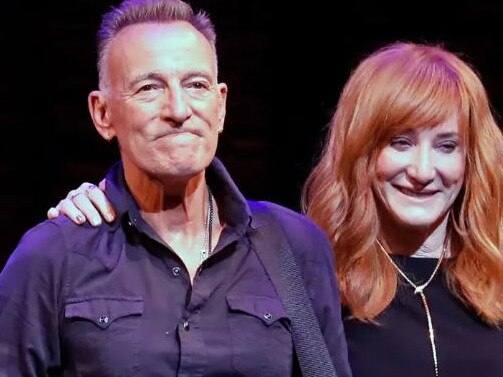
95, 222
109, 217
81, 219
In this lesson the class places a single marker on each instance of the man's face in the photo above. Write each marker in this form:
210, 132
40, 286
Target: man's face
163, 100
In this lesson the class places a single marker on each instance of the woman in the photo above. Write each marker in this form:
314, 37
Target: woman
409, 190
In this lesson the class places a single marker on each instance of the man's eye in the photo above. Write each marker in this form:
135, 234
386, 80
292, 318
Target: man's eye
148, 87
197, 85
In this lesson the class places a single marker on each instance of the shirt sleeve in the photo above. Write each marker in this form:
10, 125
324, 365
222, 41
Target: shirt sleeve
314, 255
29, 307
324, 293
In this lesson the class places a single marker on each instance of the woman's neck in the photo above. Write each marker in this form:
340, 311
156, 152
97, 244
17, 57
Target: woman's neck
420, 243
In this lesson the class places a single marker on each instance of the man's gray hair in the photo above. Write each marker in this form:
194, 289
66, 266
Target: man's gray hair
131, 12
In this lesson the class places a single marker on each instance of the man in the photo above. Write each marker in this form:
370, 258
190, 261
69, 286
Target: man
172, 286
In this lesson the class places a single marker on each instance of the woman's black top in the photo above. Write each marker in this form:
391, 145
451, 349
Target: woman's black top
400, 346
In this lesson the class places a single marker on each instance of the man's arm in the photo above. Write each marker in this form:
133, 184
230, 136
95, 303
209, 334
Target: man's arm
314, 256
324, 293
29, 308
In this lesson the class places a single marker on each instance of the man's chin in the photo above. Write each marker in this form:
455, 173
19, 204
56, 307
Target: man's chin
184, 170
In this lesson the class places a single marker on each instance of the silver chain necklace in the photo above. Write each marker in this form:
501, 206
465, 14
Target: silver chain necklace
208, 229
419, 290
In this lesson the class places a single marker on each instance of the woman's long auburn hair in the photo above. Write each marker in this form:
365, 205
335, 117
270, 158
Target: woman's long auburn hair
399, 87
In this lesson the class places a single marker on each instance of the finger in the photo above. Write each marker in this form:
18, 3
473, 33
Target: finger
80, 190
67, 208
83, 204
71, 194
102, 184
52, 213
100, 201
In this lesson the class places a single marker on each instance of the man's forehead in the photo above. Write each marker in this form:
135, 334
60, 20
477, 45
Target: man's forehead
176, 34
174, 47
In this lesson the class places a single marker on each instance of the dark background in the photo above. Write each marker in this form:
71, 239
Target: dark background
285, 66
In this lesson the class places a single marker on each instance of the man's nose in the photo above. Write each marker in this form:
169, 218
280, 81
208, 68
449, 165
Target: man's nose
177, 105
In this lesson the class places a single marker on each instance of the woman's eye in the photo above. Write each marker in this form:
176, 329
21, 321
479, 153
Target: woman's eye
448, 147
400, 142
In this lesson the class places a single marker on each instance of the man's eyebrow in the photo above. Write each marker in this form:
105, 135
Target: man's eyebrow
198, 73
157, 76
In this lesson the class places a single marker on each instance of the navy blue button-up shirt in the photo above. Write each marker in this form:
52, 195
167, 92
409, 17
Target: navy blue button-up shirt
116, 301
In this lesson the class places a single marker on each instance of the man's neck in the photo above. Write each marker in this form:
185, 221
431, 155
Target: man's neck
174, 204
177, 211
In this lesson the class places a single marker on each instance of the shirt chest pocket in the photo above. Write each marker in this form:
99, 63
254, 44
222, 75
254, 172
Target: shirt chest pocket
260, 336
101, 335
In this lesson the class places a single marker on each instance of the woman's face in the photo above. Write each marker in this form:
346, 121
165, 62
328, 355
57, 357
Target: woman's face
420, 174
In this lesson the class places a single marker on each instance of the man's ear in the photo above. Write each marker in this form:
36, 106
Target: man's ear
222, 105
100, 113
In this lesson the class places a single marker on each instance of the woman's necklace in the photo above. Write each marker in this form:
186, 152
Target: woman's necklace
419, 289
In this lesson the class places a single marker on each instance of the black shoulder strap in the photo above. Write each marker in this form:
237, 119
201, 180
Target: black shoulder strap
274, 251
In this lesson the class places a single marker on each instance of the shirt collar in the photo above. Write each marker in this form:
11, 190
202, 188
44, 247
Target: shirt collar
233, 207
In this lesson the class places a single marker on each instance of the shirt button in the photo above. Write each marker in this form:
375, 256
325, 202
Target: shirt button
268, 316
103, 319
186, 326
176, 271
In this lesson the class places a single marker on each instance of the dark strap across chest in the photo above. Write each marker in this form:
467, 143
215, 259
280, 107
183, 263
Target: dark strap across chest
273, 249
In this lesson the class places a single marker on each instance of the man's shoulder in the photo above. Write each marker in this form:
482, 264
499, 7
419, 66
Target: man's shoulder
43, 241
39, 252
287, 217
52, 241
305, 238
